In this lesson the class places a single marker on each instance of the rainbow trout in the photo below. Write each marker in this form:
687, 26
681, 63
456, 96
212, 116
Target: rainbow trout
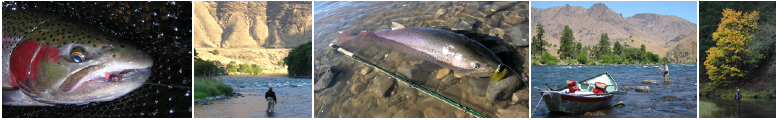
49, 61
451, 50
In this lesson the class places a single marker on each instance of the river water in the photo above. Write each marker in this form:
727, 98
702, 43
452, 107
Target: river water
727, 108
357, 90
293, 98
673, 99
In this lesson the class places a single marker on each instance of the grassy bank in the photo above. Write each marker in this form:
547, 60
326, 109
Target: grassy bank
208, 87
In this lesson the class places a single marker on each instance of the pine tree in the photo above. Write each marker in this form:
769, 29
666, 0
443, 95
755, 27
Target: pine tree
538, 41
603, 45
566, 48
617, 49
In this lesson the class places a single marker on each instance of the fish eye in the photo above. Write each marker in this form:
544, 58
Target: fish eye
476, 66
77, 54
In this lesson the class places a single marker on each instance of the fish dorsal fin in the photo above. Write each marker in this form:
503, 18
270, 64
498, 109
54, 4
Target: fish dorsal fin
397, 26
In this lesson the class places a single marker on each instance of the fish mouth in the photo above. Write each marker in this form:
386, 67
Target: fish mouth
97, 73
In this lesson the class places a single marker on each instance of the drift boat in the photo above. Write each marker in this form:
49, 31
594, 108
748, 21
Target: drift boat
583, 100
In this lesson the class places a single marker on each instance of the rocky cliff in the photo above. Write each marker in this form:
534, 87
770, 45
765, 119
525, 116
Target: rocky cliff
252, 24
685, 50
588, 24
252, 32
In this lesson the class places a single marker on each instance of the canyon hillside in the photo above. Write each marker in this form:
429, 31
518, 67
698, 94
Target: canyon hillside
252, 32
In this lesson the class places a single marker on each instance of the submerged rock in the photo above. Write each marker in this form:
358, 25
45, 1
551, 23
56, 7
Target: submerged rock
357, 88
325, 79
520, 96
597, 114
504, 88
433, 113
450, 79
381, 84
625, 87
519, 36
442, 72
672, 98
649, 81
408, 114
619, 104
642, 89
514, 111
478, 86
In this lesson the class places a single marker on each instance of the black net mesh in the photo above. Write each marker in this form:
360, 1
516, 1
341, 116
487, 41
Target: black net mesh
163, 29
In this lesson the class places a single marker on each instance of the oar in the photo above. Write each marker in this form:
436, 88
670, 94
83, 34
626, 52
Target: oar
612, 93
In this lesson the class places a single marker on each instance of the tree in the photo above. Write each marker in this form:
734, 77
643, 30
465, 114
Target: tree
664, 60
651, 58
603, 45
216, 52
244, 68
730, 59
567, 49
617, 49
538, 41
205, 68
256, 69
578, 49
299, 60
582, 58
641, 53
232, 66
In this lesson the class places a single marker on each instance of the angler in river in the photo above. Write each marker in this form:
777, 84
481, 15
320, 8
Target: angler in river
48, 60
665, 70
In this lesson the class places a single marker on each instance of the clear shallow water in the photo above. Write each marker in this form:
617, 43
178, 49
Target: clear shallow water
651, 104
727, 108
293, 98
352, 91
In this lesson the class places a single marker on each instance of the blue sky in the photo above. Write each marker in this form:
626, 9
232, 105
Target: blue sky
683, 9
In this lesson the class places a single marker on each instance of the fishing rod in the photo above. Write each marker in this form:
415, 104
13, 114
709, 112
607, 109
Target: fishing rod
760, 105
410, 83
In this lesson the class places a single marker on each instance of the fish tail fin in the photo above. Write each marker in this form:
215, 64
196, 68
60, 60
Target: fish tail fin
343, 38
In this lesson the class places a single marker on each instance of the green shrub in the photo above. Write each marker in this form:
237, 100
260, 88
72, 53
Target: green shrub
582, 58
208, 87
548, 59
299, 60
205, 68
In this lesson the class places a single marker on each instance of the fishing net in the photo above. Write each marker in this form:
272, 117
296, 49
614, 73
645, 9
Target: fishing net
163, 29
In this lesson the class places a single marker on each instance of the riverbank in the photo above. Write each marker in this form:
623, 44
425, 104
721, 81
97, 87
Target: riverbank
206, 87
293, 98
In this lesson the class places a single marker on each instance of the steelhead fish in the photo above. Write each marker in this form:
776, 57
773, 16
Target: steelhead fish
451, 50
49, 61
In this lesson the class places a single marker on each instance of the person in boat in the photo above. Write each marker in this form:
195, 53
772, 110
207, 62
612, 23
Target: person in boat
600, 88
572, 86
271, 97
665, 70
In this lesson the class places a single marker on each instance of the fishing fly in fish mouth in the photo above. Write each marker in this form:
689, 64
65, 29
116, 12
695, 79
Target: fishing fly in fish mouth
48, 60
450, 50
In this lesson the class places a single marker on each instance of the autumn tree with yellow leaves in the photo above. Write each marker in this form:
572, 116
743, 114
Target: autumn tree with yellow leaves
730, 59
